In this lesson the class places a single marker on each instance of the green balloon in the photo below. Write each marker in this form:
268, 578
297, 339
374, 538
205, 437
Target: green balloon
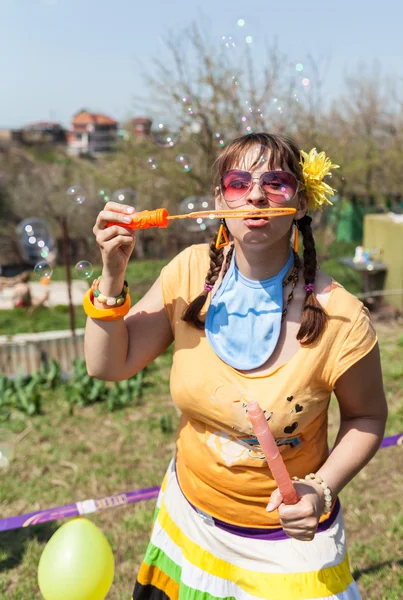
77, 563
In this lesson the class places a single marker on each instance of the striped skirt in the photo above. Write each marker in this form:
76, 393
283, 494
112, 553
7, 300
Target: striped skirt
193, 557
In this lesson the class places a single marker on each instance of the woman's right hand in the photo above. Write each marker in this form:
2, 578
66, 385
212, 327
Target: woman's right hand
115, 242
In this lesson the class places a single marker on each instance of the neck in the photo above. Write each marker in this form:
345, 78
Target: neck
261, 263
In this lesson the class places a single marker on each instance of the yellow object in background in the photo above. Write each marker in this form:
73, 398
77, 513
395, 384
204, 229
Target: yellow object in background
386, 234
77, 563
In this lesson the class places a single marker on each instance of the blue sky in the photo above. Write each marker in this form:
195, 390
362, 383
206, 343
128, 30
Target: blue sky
57, 56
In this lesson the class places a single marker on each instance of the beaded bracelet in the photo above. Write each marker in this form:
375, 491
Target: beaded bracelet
326, 489
109, 300
104, 314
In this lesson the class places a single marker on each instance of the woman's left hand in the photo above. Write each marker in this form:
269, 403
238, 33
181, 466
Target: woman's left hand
300, 520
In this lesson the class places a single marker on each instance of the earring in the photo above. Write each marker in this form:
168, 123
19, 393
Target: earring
296, 235
222, 236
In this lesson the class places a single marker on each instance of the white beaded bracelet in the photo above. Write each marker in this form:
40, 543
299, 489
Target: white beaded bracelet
326, 490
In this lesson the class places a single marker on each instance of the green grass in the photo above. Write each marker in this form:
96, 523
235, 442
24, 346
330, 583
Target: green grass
62, 459
17, 320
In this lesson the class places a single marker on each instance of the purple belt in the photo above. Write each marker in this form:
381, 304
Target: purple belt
258, 533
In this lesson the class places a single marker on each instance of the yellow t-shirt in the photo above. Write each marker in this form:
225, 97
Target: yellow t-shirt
220, 469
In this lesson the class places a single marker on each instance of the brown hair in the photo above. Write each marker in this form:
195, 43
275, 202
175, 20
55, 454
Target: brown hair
283, 154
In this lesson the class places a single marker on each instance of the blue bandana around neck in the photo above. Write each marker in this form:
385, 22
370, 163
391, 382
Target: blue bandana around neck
243, 320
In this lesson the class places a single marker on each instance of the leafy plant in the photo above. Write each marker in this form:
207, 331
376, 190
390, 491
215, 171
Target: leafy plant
166, 424
50, 376
25, 392
27, 395
22, 393
125, 392
6, 398
82, 389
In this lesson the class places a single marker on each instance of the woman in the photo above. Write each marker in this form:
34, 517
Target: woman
248, 320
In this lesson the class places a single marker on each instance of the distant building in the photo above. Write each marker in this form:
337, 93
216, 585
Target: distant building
42, 132
141, 127
6, 138
92, 133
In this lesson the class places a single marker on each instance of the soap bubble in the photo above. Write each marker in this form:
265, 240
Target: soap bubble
219, 139
299, 67
306, 82
34, 239
165, 136
104, 195
152, 163
76, 194
228, 41
196, 204
184, 162
249, 39
43, 269
241, 22
124, 196
188, 104
83, 269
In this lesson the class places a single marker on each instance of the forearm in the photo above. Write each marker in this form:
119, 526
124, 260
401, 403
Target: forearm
106, 342
357, 442
106, 348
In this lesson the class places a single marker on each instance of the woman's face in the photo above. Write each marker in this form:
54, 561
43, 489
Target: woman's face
273, 229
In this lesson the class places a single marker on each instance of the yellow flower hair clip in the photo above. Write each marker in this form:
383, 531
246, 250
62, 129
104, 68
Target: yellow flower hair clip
315, 167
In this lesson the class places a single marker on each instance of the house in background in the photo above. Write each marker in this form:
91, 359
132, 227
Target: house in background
141, 127
41, 133
92, 133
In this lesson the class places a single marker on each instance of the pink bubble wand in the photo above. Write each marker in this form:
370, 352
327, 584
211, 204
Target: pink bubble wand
271, 453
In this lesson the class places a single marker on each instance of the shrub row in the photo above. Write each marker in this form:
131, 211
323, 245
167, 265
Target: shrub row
26, 392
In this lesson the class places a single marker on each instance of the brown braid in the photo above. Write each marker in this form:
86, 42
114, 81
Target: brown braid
313, 318
191, 313
228, 259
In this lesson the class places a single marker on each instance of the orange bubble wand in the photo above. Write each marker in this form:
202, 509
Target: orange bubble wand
271, 453
161, 218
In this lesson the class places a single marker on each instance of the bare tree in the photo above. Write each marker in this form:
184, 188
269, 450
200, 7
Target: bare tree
217, 94
366, 124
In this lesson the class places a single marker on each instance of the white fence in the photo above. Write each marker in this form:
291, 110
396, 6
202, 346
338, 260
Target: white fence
26, 353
